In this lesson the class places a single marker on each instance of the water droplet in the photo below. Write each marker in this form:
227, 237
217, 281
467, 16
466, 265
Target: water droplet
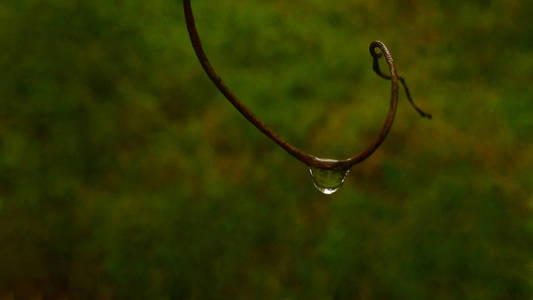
328, 181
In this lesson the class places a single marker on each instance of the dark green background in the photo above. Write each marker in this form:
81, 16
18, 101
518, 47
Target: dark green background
124, 173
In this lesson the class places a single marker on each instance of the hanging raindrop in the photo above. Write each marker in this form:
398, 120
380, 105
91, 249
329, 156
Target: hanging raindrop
328, 181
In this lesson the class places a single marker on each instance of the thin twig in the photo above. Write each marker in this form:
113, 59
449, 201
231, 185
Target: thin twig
306, 158
377, 70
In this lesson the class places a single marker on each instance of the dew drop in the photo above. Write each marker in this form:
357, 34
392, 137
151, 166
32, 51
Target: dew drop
328, 181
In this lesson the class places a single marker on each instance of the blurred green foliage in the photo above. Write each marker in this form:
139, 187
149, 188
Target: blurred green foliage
124, 174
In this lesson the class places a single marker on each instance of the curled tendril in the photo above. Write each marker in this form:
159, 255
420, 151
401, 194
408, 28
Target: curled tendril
377, 70
306, 158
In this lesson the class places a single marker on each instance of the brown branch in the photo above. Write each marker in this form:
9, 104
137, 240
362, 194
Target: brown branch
306, 158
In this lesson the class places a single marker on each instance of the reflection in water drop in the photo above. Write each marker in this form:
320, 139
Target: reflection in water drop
328, 181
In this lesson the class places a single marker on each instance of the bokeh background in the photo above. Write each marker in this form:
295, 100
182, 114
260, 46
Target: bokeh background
124, 173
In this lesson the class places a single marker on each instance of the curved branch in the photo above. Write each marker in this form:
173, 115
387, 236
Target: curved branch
308, 159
